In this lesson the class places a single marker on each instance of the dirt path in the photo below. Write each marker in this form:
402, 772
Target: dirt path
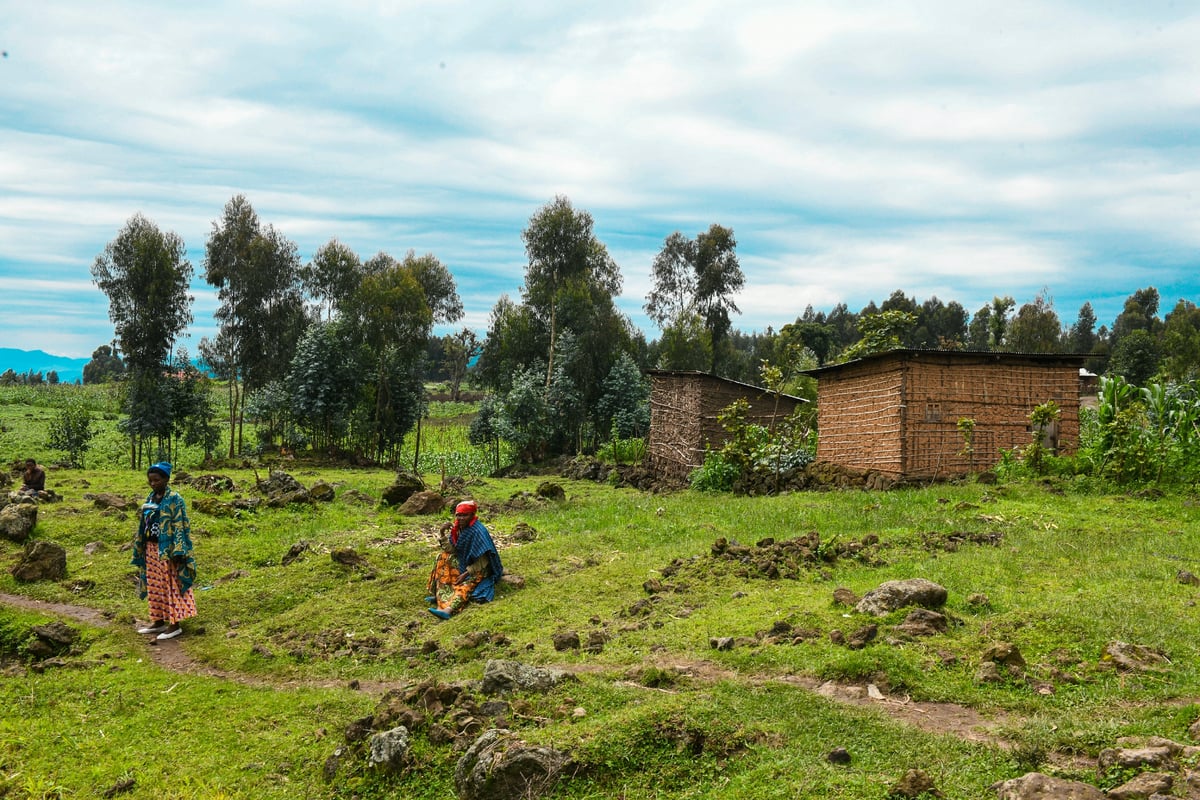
937, 718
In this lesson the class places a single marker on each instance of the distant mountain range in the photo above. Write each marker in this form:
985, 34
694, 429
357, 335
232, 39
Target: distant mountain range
22, 361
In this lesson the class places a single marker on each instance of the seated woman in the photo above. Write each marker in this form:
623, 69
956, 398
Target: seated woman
468, 566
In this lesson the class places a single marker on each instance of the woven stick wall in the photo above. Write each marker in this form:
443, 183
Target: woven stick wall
900, 415
859, 420
998, 396
683, 417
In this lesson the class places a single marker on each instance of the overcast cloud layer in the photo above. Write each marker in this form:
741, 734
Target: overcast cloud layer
962, 150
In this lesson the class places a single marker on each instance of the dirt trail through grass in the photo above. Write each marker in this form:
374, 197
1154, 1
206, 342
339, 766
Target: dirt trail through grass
937, 718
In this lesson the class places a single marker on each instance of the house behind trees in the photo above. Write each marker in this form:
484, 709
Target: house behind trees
683, 416
897, 412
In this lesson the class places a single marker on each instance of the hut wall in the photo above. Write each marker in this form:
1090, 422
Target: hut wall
683, 418
675, 425
998, 396
860, 419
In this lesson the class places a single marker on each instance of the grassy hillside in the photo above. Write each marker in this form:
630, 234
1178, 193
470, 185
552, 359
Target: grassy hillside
708, 676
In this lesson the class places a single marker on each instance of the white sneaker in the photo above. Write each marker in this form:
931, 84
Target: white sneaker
162, 637
159, 628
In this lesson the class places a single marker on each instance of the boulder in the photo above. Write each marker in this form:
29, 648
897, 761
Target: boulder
322, 492
501, 676
51, 640
499, 766
41, 561
1128, 657
893, 595
389, 750
551, 491
404, 487
1036, 786
109, 500
566, 640
17, 521
422, 503
1142, 786
923, 622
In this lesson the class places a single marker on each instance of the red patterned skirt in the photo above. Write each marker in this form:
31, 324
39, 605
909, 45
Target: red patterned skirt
162, 591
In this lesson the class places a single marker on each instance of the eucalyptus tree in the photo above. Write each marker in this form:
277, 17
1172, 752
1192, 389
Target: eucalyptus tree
105, 365
1181, 342
1035, 328
146, 276
516, 337
390, 317
697, 277
331, 276
256, 271
564, 253
458, 350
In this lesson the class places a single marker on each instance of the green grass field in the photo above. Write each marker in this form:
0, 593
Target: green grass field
282, 659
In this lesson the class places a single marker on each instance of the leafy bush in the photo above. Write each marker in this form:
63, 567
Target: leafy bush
71, 431
716, 474
753, 451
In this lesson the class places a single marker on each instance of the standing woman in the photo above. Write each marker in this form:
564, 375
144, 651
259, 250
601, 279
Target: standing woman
162, 552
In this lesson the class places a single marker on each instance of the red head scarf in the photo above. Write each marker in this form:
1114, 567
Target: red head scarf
465, 507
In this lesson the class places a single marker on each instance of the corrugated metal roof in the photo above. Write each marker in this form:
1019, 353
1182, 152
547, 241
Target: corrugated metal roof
999, 356
693, 373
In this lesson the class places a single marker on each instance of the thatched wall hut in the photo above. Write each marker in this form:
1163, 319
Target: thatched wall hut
897, 412
683, 416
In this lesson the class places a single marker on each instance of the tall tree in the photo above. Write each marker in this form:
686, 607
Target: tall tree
146, 276
979, 335
105, 365
332, 276
1035, 328
256, 271
1181, 342
458, 349
673, 275
718, 278
1140, 313
1082, 336
563, 250
697, 277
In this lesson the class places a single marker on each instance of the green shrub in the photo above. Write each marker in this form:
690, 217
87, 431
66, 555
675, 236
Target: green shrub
716, 474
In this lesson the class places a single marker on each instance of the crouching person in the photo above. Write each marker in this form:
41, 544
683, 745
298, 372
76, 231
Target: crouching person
468, 566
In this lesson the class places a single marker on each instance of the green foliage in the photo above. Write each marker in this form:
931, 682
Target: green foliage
145, 275
71, 432
716, 474
880, 332
664, 714
1040, 419
105, 365
623, 451
752, 451
1143, 435
624, 408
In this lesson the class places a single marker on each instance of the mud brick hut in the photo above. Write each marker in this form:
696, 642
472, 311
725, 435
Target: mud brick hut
897, 412
683, 416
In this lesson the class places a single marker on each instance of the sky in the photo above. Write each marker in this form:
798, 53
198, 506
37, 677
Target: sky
942, 148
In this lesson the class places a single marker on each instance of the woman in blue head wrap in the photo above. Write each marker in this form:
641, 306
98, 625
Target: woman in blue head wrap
162, 552
468, 566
